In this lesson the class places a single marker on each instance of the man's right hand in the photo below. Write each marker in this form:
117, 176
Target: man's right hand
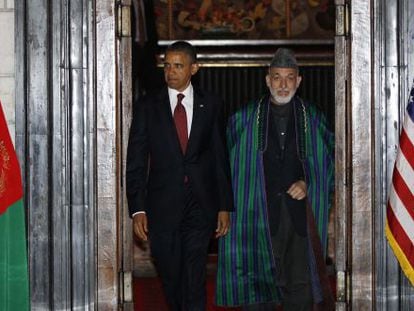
141, 226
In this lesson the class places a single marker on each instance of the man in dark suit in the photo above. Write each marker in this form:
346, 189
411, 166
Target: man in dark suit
177, 178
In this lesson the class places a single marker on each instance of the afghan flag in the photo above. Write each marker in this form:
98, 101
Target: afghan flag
400, 209
14, 284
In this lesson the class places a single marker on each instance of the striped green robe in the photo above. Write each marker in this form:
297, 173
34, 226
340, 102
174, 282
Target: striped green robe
246, 271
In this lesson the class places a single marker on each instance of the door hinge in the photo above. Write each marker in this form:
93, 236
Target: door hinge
342, 19
342, 286
126, 285
124, 20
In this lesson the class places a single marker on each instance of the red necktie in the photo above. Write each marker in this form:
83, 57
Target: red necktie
180, 119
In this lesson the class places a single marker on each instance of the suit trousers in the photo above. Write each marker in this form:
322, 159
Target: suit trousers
181, 257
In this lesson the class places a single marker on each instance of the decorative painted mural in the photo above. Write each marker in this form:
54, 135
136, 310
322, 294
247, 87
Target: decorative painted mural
245, 19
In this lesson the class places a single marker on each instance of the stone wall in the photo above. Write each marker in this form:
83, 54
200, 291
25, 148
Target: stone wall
7, 62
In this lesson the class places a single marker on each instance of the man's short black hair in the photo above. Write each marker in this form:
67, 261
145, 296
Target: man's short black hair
184, 47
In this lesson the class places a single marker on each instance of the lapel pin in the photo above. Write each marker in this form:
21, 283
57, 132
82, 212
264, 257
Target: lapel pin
201, 106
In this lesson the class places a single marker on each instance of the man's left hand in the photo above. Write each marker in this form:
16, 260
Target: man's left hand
223, 223
298, 190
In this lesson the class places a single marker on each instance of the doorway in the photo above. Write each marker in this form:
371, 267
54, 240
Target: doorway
236, 72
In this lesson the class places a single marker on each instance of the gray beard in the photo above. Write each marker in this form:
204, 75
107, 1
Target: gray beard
282, 100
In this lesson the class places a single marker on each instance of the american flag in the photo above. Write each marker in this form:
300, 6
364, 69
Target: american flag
399, 227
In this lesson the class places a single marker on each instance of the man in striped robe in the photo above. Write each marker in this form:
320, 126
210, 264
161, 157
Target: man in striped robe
281, 155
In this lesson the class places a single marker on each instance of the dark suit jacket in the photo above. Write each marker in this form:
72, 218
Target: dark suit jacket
156, 166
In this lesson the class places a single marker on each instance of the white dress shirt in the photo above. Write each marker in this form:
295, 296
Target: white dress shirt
188, 103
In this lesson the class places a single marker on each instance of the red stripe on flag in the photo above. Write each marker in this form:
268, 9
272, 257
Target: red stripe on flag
10, 181
400, 236
407, 148
403, 191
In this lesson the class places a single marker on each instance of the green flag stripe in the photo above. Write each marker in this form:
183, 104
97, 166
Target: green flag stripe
14, 288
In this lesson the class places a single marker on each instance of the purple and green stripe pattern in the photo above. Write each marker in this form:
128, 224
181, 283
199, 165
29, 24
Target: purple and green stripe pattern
246, 270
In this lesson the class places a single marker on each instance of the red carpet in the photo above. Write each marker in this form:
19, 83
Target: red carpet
148, 295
